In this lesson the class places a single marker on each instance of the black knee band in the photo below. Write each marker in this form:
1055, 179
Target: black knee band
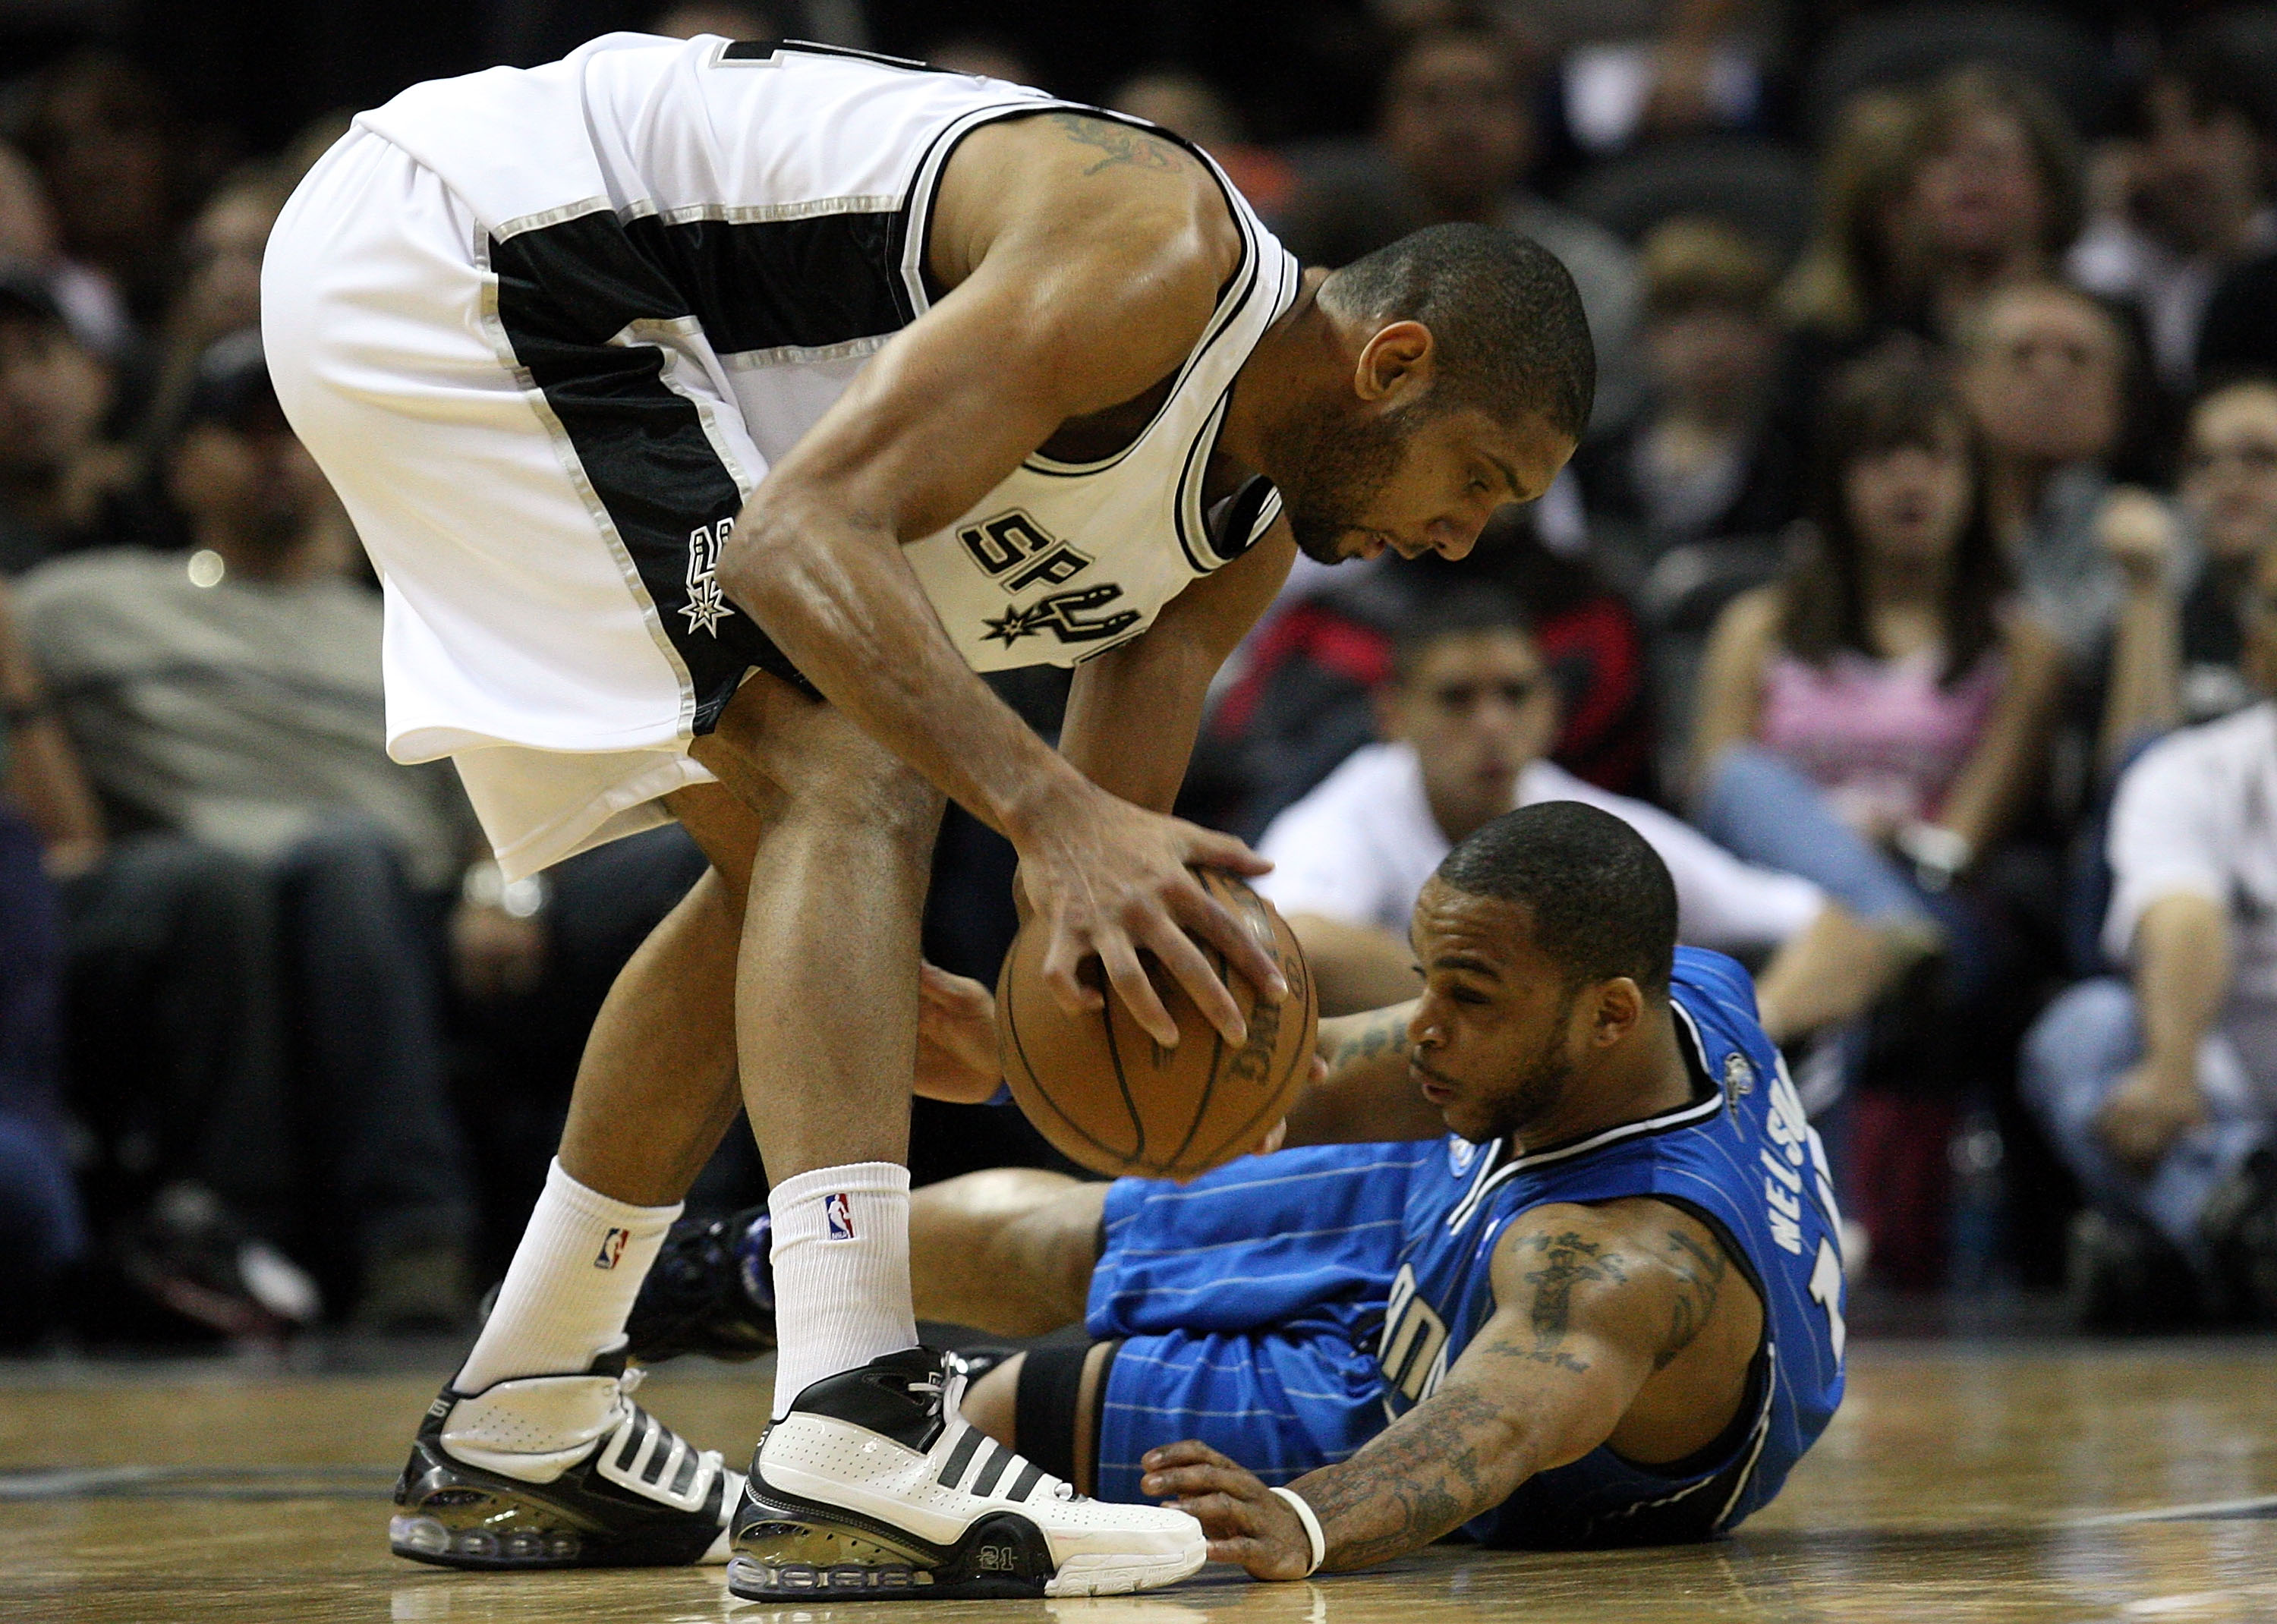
1044, 1405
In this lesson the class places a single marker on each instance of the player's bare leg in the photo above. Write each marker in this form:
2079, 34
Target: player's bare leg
534, 1455
869, 1481
1009, 1251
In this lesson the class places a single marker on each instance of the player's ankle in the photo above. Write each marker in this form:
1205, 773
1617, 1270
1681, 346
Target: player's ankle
571, 1287
842, 1271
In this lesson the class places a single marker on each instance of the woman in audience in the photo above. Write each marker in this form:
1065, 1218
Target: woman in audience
220, 291
1874, 722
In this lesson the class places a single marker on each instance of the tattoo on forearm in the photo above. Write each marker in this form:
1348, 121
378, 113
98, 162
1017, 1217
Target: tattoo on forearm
1699, 1273
1384, 1033
1431, 1473
1122, 143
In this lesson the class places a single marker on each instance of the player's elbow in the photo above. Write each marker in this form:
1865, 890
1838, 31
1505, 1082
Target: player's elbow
775, 557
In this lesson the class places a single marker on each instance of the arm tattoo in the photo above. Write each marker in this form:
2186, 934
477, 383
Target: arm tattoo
1120, 143
1386, 1032
1699, 1273
1567, 1261
1431, 1473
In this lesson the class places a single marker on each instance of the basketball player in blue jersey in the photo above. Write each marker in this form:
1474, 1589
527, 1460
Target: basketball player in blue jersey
712, 413
1601, 1304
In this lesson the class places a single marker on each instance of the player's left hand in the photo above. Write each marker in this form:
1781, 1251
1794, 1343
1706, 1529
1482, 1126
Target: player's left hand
957, 1038
1247, 1522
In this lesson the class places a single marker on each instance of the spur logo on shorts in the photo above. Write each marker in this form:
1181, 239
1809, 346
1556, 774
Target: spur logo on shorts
612, 1248
837, 1218
707, 605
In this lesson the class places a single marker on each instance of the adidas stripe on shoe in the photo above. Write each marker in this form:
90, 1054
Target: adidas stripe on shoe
558, 1471
874, 1486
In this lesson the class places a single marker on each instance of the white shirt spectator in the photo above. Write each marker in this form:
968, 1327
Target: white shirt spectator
2197, 815
1359, 848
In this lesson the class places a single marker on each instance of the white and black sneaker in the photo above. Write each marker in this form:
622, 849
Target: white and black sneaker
875, 1485
558, 1471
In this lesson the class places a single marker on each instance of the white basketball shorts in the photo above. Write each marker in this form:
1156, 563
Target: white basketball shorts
535, 449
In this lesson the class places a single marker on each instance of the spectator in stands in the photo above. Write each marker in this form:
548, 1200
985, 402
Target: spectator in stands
45, 823
1994, 193
1703, 461
2230, 489
1465, 718
2042, 367
1928, 201
105, 139
63, 486
2160, 1090
228, 704
1847, 288
1455, 142
220, 292
31, 246
1300, 695
2195, 194
1874, 723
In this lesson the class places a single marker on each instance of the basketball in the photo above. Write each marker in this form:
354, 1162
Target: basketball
1105, 1094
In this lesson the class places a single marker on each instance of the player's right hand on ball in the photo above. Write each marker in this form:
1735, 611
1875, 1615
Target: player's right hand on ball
1113, 878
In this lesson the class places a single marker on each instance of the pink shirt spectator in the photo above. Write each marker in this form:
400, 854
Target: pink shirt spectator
1882, 737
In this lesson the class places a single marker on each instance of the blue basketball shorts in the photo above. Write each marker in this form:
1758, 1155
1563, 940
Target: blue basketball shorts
1247, 1304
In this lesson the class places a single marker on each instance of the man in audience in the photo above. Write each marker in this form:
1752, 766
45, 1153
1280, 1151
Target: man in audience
2229, 491
2097, 564
1703, 460
2197, 201
227, 707
1454, 143
2160, 1090
62, 486
1465, 718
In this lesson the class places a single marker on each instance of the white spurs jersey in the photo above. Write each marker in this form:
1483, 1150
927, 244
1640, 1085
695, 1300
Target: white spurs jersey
760, 212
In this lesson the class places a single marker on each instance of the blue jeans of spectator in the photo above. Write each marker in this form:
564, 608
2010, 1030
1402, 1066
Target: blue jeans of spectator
2074, 1055
361, 966
39, 1205
273, 1032
1760, 807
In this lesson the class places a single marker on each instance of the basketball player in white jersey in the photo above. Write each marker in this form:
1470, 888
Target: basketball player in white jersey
712, 413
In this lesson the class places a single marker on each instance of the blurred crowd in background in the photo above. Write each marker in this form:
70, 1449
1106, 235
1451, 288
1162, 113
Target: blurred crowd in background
1913, 591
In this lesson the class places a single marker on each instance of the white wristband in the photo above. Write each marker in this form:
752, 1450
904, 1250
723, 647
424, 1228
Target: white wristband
1313, 1535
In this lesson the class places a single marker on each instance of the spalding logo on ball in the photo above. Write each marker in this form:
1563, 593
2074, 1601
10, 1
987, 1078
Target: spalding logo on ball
1107, 1096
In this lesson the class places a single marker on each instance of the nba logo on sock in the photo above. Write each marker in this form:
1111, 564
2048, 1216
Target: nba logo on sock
612, 1248
838, 1216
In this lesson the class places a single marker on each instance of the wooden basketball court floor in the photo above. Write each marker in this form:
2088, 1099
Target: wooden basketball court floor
2062, 1482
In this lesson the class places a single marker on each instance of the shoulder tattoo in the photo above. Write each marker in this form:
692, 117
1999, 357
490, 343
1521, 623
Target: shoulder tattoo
1561, 1262
1699, 1271
1122, 143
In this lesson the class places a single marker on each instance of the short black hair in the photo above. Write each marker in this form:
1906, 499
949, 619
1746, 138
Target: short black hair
1512, 340
1464, 609
1602, 900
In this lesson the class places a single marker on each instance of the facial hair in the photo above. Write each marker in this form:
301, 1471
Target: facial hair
1535, 1091
1331, 467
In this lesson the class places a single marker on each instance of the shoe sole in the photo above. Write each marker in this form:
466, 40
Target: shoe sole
455, 1515
804, 1550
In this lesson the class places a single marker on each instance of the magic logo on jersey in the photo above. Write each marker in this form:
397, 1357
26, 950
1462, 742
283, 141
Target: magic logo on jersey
1019, 555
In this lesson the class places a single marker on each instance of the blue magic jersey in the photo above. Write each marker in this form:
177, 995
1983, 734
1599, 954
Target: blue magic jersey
1742, 1159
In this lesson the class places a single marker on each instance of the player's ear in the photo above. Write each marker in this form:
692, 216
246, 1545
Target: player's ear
1619, 1006
1396, 365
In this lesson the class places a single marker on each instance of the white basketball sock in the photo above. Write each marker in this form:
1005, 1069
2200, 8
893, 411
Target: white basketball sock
841, 1267
570, 1286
